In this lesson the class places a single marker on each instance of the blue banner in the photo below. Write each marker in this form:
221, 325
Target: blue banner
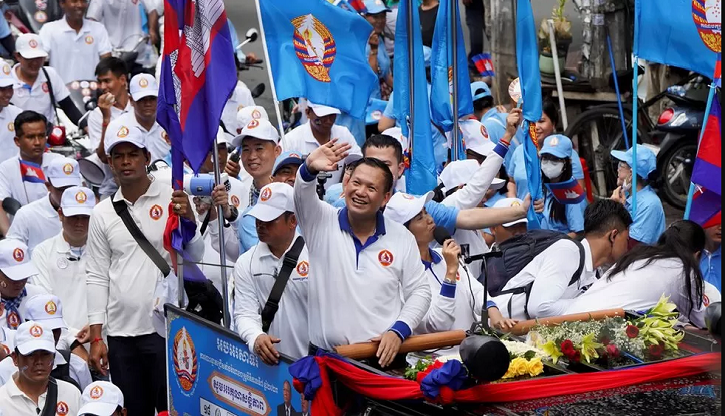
212, 372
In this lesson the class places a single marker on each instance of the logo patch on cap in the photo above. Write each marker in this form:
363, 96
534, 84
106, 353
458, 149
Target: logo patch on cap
266, 194
36, 331
18, 255
96, 392
235, 201
484, 131
6, 69
68, 169
295, 155
515, 204
122, 132
303, 268
33, 43
408, 197
554, 141
156, 212
252, 124
81, 197
385, 258
51, 308
89, 39
705, 300
255, 114
143, 83
61, 409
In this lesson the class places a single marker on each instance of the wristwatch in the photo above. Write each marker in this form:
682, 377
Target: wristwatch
235, 214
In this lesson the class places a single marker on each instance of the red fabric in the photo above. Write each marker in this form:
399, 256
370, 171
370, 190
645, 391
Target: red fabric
172, 223
390, 388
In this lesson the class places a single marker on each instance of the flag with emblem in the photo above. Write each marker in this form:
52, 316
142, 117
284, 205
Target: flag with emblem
569, 192
375, 111
484, 64
317, 51
31, 172
443, 68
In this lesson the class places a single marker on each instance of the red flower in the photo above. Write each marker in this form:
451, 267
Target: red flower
605, 340
576, 357
567, 348
612, 351
656, 350
422, 374
632, 331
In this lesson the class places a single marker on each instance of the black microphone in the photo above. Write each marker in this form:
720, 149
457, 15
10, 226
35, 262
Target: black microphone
440, 234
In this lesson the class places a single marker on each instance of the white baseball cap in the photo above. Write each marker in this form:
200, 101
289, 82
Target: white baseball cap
29, 46
224, 137
34, 336
397, 133
15, 260
6, 75
77, 200
274, 200
101, 398
143, 85
507, 203
476, 137
322, 110
63, 172
459, 172
123, 134
259, 129
249, 113
404, 207
46, 309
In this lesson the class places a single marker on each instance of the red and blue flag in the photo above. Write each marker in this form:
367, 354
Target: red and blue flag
569, 192
708, 164
484, 64
31, 172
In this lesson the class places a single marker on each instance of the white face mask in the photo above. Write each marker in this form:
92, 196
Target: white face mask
627, 185
552, 170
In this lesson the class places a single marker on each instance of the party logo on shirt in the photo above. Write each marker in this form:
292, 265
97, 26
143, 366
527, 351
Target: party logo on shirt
51, 308
235, 201
61, 409
252, 124
14, 320
265, 195
36, 331
6, 349
11, 127
705, 300
19, 255
68, 169
45, 87
122, 132
166, 138
303, 268
81, 197
156, 212
89, 40
385, 258
186, 365
96, 392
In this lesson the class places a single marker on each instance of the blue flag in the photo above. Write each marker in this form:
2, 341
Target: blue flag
682, 33
375, 111
527, 62
317, 51
443, 69
421, 176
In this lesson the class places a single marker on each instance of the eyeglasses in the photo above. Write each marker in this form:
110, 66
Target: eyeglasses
623, 166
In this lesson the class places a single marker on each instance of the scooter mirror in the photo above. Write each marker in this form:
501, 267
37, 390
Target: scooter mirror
258, 90
91, 105
252, 34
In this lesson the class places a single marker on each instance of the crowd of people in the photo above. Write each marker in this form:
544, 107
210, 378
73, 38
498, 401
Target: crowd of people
323, 209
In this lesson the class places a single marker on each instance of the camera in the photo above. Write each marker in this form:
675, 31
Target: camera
203, 184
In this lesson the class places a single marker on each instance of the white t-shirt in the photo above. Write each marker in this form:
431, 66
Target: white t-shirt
8, 148
13, 186
242, 97
35, 223
15, 402
75, 55
36, 97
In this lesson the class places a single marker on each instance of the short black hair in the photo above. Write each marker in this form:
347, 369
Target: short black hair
115, 65
376, 163
27, 116
605, 215
549, 108
382, 141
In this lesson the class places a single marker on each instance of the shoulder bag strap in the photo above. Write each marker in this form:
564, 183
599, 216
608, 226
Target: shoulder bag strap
122, 211
51, 399
288, 264
53, 102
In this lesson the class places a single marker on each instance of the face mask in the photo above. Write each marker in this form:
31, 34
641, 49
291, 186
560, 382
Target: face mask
551, 169
627, 186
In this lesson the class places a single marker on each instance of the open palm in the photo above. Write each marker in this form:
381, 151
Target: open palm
326, 157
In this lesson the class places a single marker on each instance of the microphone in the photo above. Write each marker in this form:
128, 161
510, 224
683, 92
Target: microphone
440, 234
317, 122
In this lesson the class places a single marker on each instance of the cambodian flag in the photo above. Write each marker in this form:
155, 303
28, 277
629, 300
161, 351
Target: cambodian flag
708, 164
484, 64
569, 192
706, 208
31, 172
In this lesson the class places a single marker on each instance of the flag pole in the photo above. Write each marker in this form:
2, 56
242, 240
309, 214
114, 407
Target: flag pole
280, 125
411, 74
454, 45
691, 192
222, 248
635, 104
557, 74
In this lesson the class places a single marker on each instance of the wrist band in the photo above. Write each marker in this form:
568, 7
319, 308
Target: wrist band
96, 340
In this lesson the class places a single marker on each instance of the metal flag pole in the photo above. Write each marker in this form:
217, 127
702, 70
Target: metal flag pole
411, 75
557, 74
454, 44
616, 89
222, 250
280, 125
691, 191
635, 104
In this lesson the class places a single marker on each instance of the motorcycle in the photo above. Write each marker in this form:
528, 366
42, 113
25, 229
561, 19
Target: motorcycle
28, 16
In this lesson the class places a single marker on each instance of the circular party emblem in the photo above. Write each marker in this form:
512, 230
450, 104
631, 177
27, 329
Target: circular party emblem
376, 115
385, 258
14, 320
96, 392
11, 127
252, 124
408, 197
51, 308
6, 69
81, 197
314, 46
68, 169
235, 201
33, 43
554, 141
186, 365
143, 83
255, 114
303, 268
707, 15
122, 132
61, 409
156, 212
484, 132
266, 194
45, 87
89, 39
36, 331
18, 255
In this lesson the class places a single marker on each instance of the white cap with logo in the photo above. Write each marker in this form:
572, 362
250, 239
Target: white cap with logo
101, 398
6, 77
459, 172
77, 200
507, 203
29, 46
14, 260
124, 134
274, 200
143, 85
249, 113
46, 309
63, 172
257, 129
34, 336
404, 207
322, 110
476, 137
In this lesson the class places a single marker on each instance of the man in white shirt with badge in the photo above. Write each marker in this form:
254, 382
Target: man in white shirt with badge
23, 178
38, 221
257, 271
75, 44
369, 280
60, 261
8, 112
122, 278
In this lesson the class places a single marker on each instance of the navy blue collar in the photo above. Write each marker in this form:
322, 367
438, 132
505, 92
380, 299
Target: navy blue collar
436, 259
345, 223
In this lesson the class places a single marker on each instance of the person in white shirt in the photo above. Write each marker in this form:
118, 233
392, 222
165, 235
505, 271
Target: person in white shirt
320, 129
669, 268
26, 392
15, 270
33, 81
75, 44
8, 112
547, 279
60, 261
257, 270
22, 178
241, 98
370, 282
102, 398
121, 277
39, 221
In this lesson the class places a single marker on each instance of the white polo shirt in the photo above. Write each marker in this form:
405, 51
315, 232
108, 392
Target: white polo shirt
77, 369
36, 97
359, 291
155, 138
15, 402
8, 148
75, 55
35, 223
302, 141
121, 278
254, 275
122, 19
31, 291
12, 184
242, 97
63, 274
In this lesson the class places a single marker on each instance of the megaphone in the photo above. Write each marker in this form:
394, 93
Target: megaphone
92, 169
486, 357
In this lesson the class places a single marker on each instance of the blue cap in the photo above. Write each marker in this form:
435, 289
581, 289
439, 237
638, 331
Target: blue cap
427, 52
375, 7
287, 158
557, 145
480, 85
646, 159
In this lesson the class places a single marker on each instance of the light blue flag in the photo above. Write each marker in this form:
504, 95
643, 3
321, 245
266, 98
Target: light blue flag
443, 69
682, 33
317, 50
527, 62
421, 176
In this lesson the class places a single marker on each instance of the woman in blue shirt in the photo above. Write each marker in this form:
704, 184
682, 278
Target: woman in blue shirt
556, 166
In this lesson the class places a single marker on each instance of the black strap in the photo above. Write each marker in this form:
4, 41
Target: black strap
288, 264
122, 211
53, 102
51, 400
205, 223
